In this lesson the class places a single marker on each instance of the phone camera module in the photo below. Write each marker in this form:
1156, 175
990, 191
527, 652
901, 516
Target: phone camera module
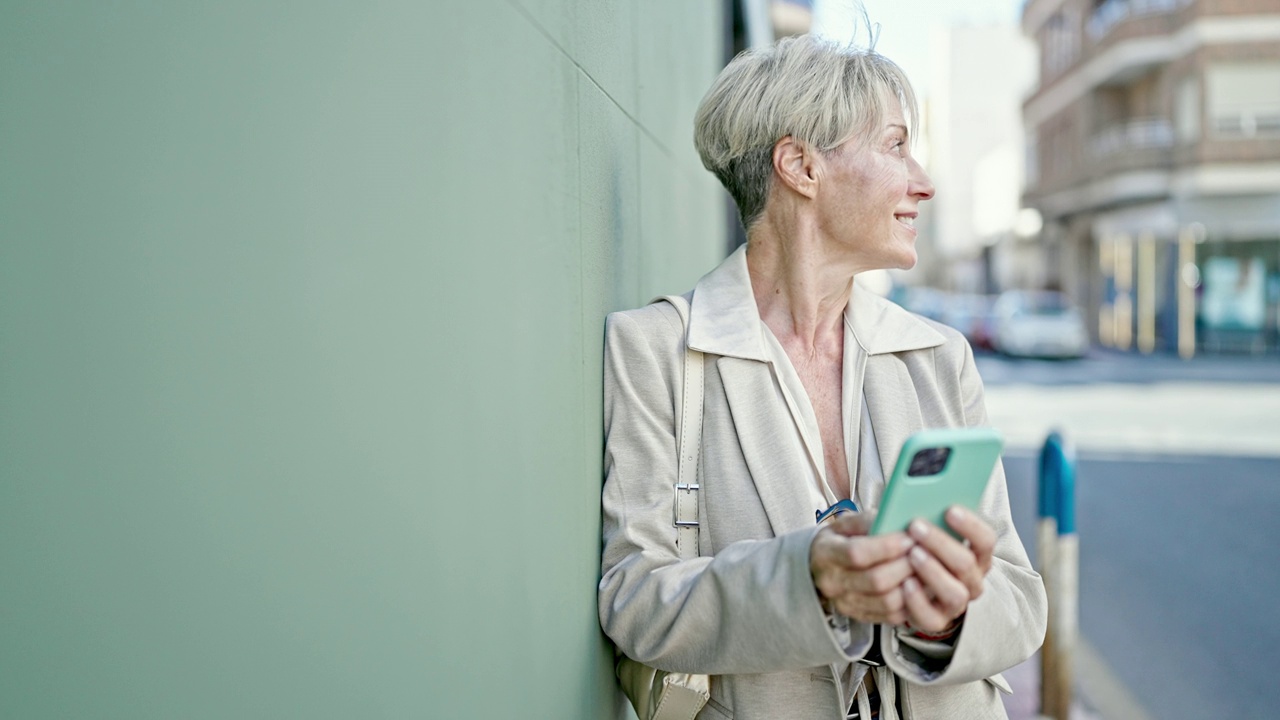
929, 461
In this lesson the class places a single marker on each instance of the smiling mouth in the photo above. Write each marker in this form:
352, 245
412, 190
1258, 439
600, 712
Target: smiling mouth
907, 220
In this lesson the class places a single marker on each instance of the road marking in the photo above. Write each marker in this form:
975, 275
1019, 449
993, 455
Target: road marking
1102, 691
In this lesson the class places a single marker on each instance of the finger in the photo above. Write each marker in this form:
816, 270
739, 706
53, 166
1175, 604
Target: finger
921, 613
866, 552
980, 534
949, 594
863, 564
889, 608
830, 550
828, 561
851, 524
958, 559
880, 579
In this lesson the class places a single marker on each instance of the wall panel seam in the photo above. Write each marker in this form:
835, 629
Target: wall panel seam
635, 121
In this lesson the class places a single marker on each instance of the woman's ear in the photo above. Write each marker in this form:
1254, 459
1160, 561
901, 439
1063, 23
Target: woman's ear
796, 165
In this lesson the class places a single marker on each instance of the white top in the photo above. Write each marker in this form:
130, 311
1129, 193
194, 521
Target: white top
866, 476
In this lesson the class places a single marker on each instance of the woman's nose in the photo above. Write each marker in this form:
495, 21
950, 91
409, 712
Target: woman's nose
919, 185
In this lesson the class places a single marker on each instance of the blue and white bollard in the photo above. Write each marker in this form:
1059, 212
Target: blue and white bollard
1059, 553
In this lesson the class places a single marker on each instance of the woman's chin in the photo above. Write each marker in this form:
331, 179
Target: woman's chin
907, 261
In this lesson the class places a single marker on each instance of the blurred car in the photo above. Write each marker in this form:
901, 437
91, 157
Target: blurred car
926, 301
972, 315
1039, 324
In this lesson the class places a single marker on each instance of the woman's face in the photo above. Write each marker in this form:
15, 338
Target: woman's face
870, 196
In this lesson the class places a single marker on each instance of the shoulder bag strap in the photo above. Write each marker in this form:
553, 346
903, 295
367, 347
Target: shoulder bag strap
689, 428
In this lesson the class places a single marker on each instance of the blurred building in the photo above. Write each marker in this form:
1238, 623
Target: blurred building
791, 17
1153, 154
972, 149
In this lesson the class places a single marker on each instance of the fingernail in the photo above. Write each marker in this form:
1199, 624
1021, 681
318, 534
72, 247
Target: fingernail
919, 529
955, 514
907, 543
910, 585
918, 556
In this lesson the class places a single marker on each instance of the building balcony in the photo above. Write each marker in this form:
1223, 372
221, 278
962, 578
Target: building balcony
1036, 12
1138, 37
1130, 161
1136, 144
1113, 13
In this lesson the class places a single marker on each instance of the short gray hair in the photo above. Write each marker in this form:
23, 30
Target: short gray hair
820, 92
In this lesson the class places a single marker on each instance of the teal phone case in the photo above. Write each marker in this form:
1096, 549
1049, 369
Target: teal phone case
960, 478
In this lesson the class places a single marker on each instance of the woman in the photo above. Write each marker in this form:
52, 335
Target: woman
811, 386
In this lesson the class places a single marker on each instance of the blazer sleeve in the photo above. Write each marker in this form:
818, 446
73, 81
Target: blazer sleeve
1006, 624
752, 607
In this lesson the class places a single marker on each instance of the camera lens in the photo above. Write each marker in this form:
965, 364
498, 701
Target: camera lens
929, 461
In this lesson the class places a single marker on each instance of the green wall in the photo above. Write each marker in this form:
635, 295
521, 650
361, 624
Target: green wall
301, 309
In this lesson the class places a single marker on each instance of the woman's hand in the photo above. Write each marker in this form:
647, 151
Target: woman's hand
860, 576
948, 574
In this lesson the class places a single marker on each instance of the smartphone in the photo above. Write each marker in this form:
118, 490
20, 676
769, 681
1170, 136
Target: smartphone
935, 470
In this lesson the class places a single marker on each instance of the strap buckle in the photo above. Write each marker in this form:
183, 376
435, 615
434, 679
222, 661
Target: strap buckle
678, 516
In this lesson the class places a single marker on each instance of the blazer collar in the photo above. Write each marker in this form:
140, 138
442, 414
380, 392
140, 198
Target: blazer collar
884, 327
724, 319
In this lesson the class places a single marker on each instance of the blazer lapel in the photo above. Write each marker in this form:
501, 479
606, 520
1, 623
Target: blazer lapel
894, 407
884, 329
762, 425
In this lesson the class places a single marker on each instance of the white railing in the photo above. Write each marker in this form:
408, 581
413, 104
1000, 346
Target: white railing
1261, 119
1136, 134
1113, 12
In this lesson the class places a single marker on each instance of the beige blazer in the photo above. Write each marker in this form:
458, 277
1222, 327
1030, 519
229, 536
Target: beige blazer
746, 611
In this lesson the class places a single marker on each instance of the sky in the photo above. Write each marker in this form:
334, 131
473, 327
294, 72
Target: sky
906, 25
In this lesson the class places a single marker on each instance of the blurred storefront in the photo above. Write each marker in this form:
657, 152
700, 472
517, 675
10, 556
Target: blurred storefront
1153, 154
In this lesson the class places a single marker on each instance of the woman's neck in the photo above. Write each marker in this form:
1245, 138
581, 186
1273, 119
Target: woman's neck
800, 289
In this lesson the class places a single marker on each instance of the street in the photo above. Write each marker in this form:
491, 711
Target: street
1107, 366
1178, 577
1178, 538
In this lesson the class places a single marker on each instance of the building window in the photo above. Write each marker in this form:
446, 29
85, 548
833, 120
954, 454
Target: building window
1187, 112
1061, 46
1244, 99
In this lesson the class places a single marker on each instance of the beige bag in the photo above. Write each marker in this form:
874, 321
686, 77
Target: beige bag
656, 694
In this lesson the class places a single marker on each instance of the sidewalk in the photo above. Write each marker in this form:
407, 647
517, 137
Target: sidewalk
1024, 703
